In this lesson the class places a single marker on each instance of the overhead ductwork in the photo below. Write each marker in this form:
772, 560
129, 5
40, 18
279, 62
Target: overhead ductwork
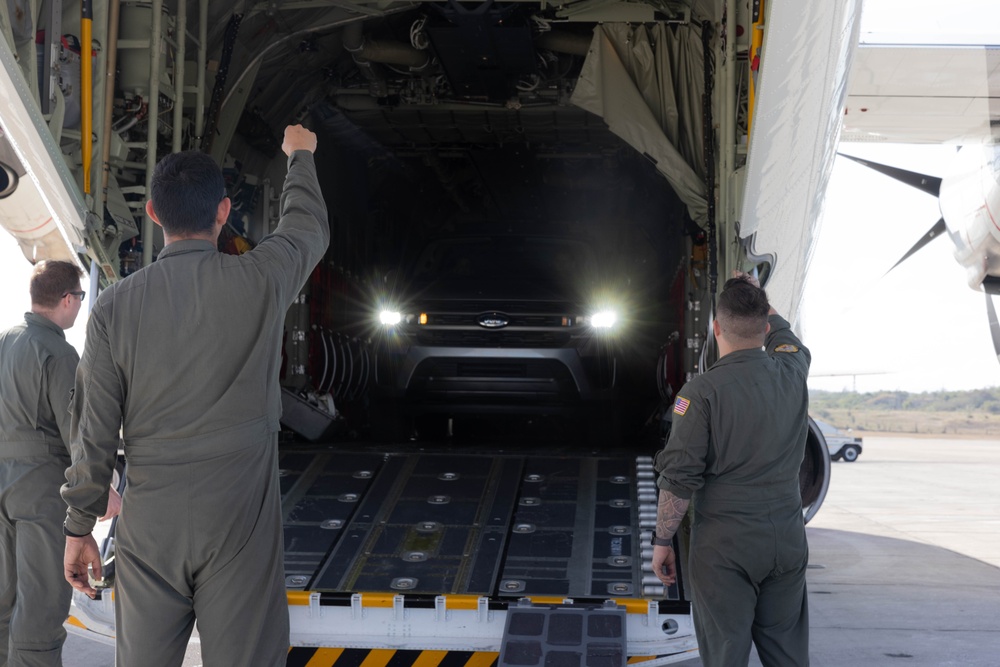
368, 54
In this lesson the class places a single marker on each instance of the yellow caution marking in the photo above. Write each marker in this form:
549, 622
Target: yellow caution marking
378, 657
640, 658
482, 659
541, 599
429, 658
298, 598
324, 657
377, 599
633, 605
461, 602
73, 620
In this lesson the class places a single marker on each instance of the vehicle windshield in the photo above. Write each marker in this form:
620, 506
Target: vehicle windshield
827, 429
544, 260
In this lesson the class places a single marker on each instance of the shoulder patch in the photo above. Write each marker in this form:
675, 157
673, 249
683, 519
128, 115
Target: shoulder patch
787, 348
681, 405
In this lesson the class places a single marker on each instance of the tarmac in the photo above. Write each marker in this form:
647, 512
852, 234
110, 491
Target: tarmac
904, 561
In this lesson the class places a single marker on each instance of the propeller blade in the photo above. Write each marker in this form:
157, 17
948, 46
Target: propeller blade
932, 233
929, 184
991, 313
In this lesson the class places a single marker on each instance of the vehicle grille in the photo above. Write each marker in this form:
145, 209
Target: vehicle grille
491, 338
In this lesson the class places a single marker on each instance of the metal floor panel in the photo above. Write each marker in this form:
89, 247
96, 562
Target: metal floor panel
507, 525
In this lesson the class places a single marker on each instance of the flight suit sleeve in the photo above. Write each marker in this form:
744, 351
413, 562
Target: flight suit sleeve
681, 463
303, 233
785, 347
60, 376
98, 401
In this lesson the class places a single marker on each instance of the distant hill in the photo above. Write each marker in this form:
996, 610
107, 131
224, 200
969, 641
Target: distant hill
975, 412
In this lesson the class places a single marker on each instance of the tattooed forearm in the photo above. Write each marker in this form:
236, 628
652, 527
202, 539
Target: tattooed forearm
670, 512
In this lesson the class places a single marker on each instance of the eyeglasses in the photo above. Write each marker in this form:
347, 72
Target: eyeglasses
80, 294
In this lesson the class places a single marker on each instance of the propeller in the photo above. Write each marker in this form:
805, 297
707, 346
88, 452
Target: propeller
932, 233
991, 313
929, 184
932, 186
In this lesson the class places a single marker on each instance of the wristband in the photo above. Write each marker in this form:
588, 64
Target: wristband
661, 541
69, 534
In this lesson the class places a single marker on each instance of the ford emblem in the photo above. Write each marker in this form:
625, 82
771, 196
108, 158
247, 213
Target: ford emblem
493, 320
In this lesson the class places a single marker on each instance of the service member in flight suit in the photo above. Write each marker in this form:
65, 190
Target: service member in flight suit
184, 356
735, 449
37, 367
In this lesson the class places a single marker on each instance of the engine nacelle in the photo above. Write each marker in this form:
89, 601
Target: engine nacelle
970, 205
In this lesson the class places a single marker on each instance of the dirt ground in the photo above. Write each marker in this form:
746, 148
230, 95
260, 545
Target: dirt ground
914, 423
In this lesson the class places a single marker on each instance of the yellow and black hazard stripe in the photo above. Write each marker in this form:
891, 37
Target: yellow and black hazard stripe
361, 657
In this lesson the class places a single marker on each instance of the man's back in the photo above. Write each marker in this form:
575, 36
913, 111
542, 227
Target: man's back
744, 423
195, 337
33, 354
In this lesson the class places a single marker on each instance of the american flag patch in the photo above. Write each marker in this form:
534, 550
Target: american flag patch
681, 405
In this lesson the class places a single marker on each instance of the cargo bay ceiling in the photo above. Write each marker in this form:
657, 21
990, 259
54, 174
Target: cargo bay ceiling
574, 96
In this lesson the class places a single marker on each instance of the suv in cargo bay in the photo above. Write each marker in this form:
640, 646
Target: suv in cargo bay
497, 323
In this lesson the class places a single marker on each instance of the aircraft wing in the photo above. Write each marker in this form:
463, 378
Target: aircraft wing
924, 94
794, 137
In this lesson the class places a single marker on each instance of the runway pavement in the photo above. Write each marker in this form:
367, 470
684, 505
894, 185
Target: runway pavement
904, 565
905, 557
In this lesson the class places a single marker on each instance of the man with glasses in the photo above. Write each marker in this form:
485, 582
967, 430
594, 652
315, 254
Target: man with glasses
37, 370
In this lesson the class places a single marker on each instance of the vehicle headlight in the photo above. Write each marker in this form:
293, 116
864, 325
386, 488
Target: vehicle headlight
390, 317
604, 319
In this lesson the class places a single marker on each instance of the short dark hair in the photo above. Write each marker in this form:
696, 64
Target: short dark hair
742, 310
186, 190
51, 279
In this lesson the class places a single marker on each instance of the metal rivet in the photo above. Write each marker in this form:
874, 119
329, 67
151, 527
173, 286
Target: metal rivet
439, 500
524, 528
448, 476
404, 583
348, 498
428, 527
362, 474
620, 530
534, 477
414, 556
530, 502
296, 580
619, 479
620, 502
331, 524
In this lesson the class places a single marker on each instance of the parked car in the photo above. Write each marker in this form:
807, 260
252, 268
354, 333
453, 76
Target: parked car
841, 445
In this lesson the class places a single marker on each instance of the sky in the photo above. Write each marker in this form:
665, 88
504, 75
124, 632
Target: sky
919, 328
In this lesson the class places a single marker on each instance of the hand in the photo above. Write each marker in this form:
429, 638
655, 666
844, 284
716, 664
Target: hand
114, 505
665, 565
747, 277
81, 552
298, 138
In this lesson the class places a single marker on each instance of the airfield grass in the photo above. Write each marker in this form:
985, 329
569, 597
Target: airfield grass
910, 422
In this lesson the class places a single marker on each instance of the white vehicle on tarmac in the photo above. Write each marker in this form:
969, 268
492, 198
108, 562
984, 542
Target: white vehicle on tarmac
841, 445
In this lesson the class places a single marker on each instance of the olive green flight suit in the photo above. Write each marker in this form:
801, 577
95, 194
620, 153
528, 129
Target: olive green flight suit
735, 448
37, 367
185, 356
